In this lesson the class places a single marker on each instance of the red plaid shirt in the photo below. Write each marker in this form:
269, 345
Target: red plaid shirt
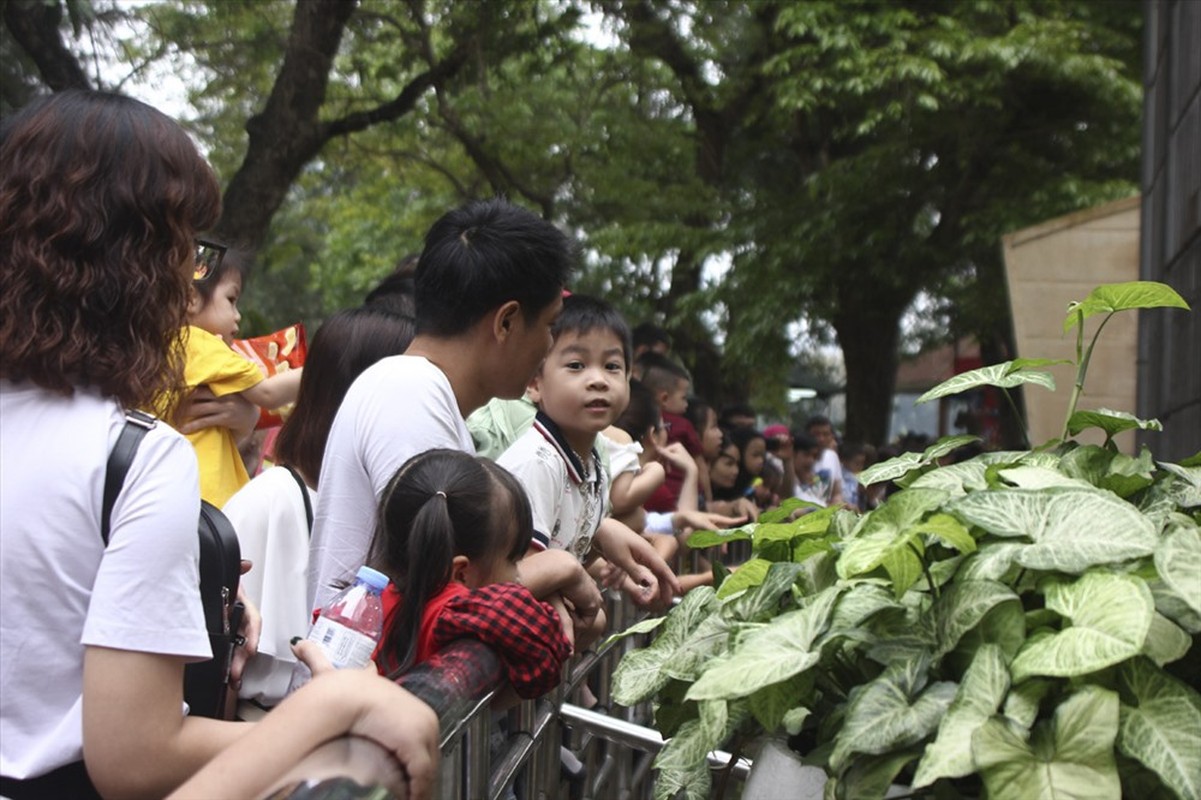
523, 632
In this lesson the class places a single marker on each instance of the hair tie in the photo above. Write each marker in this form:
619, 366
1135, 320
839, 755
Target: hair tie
441, 494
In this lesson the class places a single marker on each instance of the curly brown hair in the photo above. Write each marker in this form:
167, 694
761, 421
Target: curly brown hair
101, 197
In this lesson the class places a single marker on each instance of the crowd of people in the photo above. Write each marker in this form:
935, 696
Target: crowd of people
500, 448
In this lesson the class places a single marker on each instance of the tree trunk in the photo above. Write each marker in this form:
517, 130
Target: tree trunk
288, 132
868, 329
34, 26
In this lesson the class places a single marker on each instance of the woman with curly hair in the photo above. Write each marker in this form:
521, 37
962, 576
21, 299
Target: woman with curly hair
101, 197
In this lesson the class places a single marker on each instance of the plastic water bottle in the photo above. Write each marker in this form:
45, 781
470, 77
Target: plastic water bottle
350, 627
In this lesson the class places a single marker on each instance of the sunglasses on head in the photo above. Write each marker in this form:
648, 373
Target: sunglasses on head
209, 256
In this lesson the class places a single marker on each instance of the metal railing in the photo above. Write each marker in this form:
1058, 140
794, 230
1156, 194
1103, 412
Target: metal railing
551, 748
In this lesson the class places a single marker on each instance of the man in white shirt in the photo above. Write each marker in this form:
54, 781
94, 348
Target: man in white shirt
828, 468
489, 283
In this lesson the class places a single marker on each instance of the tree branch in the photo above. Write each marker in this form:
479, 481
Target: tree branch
34, 25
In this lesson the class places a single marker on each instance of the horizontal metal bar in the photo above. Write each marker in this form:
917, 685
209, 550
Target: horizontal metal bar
638, 737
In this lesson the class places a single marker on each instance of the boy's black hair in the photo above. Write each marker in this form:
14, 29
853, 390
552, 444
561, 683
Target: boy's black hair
803, 441
234, 260
817, 421
660, 373
648, 334
483, 254
582, 314
642, 412
736, 410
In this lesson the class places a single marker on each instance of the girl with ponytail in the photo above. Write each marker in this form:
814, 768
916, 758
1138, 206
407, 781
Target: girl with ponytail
450, 531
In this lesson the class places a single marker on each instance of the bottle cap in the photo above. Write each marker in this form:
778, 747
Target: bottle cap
373, 578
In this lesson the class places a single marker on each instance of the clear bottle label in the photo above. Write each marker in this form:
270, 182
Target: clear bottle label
344, 646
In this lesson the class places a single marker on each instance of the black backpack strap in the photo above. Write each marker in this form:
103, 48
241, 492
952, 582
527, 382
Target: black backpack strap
304, 492
137, 424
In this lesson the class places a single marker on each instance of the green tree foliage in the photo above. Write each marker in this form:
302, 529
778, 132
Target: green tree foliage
730, 167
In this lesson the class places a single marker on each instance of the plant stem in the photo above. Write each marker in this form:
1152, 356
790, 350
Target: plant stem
1018, 415
1082, 359
724, 780
925, 569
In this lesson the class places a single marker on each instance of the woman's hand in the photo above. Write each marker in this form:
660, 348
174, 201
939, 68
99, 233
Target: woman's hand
203, 409
248, 632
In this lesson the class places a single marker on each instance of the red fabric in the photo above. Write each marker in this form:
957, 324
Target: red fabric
425, 636
524, 632
667, 497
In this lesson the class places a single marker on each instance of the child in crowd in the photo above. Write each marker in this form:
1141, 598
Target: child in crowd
809, 486
704, 421
450, 532
723, 474
749, 482
580, 389
209, 361
635, 475
828, 467
641, 419
853, 458
669, 382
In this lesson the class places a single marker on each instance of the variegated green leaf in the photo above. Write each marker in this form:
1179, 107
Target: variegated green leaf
769, 654
891, 712
991, 562
764, 598
1178, 561
1166, 641
977, 699
640, 673
962, 606
644, 626
894, 468
1188, 489
1112, 422
710, 639
1077, 764
1023, 477
1111, 615
949, 531
1113, 297
1163, 729
1071, 529
1021, 706
702, 539
1001, 375
752, 573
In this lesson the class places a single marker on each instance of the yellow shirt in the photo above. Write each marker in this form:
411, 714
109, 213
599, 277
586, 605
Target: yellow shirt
210, 362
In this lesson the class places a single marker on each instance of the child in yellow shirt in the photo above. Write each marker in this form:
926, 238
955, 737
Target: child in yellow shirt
209, 361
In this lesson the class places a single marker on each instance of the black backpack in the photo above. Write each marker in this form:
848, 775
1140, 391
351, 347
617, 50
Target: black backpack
206, 683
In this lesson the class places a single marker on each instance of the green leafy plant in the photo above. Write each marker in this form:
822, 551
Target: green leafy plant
1021, 624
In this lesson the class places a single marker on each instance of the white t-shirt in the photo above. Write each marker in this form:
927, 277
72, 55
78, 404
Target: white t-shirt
568, 497
273, 531
829, 471
399, 407
60, 588
623, 457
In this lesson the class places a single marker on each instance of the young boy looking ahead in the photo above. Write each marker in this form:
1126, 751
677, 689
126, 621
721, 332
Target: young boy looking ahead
580, 389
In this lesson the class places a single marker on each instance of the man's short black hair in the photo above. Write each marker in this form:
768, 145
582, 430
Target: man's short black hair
660, 373
583, 314
728, 413
483, 254
818, 421
648, 334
